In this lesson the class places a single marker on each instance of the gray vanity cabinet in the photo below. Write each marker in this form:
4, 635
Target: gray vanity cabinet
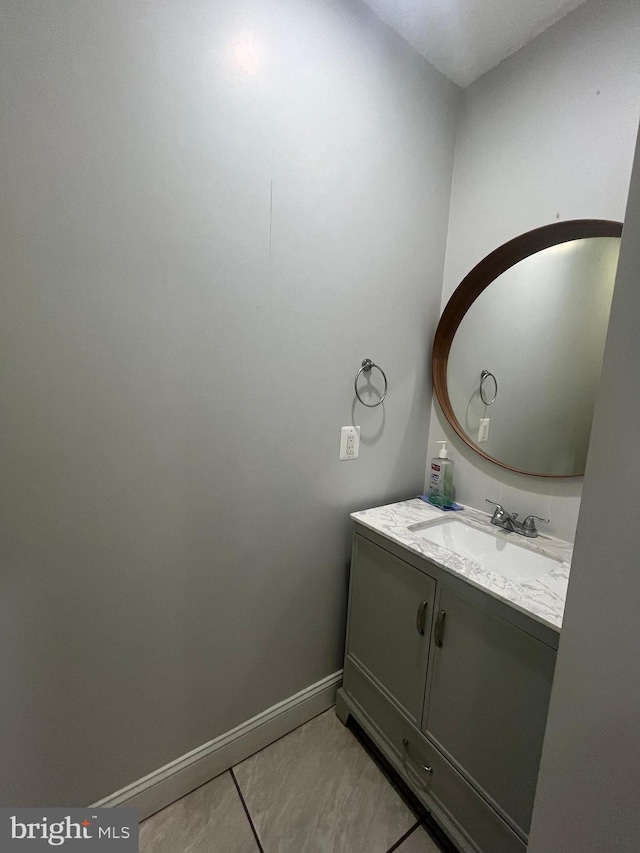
453, 687
487, 702
390, 625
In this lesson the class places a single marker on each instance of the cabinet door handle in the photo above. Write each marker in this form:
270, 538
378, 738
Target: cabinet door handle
421, 617
407, 748
439, 633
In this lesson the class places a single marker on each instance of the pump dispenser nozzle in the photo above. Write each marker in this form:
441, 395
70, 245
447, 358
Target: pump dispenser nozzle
442, 453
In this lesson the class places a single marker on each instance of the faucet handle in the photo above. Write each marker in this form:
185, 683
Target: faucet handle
529, 524
498, 512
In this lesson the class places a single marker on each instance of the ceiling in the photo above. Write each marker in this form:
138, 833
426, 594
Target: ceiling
465, 38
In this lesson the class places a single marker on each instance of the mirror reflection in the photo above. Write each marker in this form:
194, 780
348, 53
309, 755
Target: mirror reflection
540, 329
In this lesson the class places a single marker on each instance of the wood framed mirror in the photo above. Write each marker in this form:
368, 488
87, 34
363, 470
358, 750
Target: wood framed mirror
532, 317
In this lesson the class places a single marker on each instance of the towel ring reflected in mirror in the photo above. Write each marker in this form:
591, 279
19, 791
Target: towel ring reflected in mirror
483, 377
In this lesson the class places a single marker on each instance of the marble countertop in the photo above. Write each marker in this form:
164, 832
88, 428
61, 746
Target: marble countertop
542, 599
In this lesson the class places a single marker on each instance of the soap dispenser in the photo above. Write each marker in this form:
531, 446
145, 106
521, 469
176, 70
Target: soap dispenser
441, 478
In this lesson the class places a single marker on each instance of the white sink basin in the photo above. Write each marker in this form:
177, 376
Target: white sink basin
494, 552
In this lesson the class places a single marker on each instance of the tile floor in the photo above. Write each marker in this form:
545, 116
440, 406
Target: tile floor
316, 790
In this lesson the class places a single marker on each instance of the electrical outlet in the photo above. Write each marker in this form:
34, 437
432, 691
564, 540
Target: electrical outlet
483, 432
349, 442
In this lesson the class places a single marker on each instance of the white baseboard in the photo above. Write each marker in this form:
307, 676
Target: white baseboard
179, 777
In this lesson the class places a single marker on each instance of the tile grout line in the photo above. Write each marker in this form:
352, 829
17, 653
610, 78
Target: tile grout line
438, 835
246, 810
262, 748
222, 772
404, 837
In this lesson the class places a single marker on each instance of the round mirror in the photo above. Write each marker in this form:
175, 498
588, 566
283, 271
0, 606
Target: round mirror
518, 350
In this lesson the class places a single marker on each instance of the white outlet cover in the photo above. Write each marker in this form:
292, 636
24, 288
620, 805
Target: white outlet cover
349, 443
483, 432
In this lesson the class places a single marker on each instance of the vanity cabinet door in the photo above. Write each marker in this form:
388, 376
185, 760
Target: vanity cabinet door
390, 619
487, 702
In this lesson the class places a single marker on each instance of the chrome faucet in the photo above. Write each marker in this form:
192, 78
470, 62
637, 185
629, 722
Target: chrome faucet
509, 521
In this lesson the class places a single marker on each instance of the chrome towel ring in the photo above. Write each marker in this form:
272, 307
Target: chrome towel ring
485, 375
367, 364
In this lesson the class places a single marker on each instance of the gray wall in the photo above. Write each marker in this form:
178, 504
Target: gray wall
587, 797
548, 134
210, 214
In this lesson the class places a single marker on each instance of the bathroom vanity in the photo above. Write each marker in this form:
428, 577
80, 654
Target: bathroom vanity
450, 659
